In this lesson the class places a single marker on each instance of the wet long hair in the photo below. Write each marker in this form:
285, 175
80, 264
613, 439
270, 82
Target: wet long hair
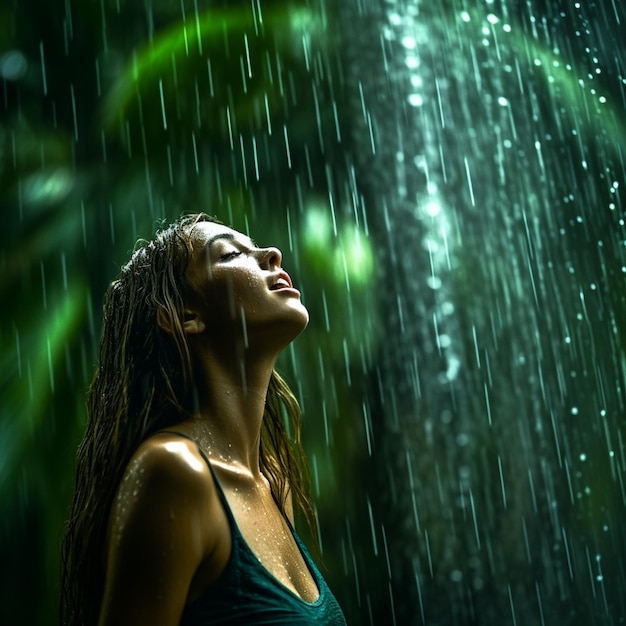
144, 383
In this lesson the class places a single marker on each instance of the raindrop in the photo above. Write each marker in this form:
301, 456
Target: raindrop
13, 66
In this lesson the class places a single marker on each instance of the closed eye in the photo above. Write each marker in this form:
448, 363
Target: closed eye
230, 255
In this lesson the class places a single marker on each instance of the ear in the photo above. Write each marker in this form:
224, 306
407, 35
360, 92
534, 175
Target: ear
192, 323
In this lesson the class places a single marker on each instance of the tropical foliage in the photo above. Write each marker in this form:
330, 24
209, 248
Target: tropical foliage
458, 240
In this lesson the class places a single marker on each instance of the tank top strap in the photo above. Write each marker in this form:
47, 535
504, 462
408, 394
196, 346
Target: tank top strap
175, 432
219, 486
247, 584
222, 495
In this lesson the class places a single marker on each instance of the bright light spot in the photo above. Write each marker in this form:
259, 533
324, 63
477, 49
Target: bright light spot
318, 227
465, 16
492, 19
434, 282
305, 20
416, 80
389, 34
503, 102
353, 258
13, 65
444, 340
430, 245
409, 42
447, 308
412, 62
416, 100
462, 439
420, 162
454, 365
506, 28
180, 448
433, 208
48, 186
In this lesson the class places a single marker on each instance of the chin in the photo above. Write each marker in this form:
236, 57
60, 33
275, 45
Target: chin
304, 315
297, 321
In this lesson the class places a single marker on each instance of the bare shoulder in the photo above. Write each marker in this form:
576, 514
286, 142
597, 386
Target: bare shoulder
165, 479
168, 477
166, 521
169, 458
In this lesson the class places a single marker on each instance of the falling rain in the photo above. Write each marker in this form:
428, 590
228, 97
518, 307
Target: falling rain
446, 183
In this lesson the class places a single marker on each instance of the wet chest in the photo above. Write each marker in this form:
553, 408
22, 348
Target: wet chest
268, 535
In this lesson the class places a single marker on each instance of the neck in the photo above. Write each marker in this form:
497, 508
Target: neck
230, 404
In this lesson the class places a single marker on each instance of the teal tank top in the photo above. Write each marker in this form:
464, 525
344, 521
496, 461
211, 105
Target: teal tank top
247, 594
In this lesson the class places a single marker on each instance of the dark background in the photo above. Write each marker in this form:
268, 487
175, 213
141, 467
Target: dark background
446, 182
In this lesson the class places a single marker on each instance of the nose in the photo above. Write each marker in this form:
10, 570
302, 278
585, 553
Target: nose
270, 258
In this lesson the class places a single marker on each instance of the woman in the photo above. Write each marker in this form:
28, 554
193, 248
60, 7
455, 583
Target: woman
186, 481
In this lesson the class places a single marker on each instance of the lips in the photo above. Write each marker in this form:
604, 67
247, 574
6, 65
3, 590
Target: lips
281, 280
280, 284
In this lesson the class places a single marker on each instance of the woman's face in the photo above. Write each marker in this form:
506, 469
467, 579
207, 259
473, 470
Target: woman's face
242, 289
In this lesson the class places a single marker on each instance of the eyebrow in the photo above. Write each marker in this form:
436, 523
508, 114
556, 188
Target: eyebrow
229, 237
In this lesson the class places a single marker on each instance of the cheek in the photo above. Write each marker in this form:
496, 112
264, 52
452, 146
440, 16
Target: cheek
228, 294
247, 297
245, 285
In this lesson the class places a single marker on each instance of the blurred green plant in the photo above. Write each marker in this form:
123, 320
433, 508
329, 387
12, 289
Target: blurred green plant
36, 361
73, 174
222, 71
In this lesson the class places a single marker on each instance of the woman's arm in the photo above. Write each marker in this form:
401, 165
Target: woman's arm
160, 531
